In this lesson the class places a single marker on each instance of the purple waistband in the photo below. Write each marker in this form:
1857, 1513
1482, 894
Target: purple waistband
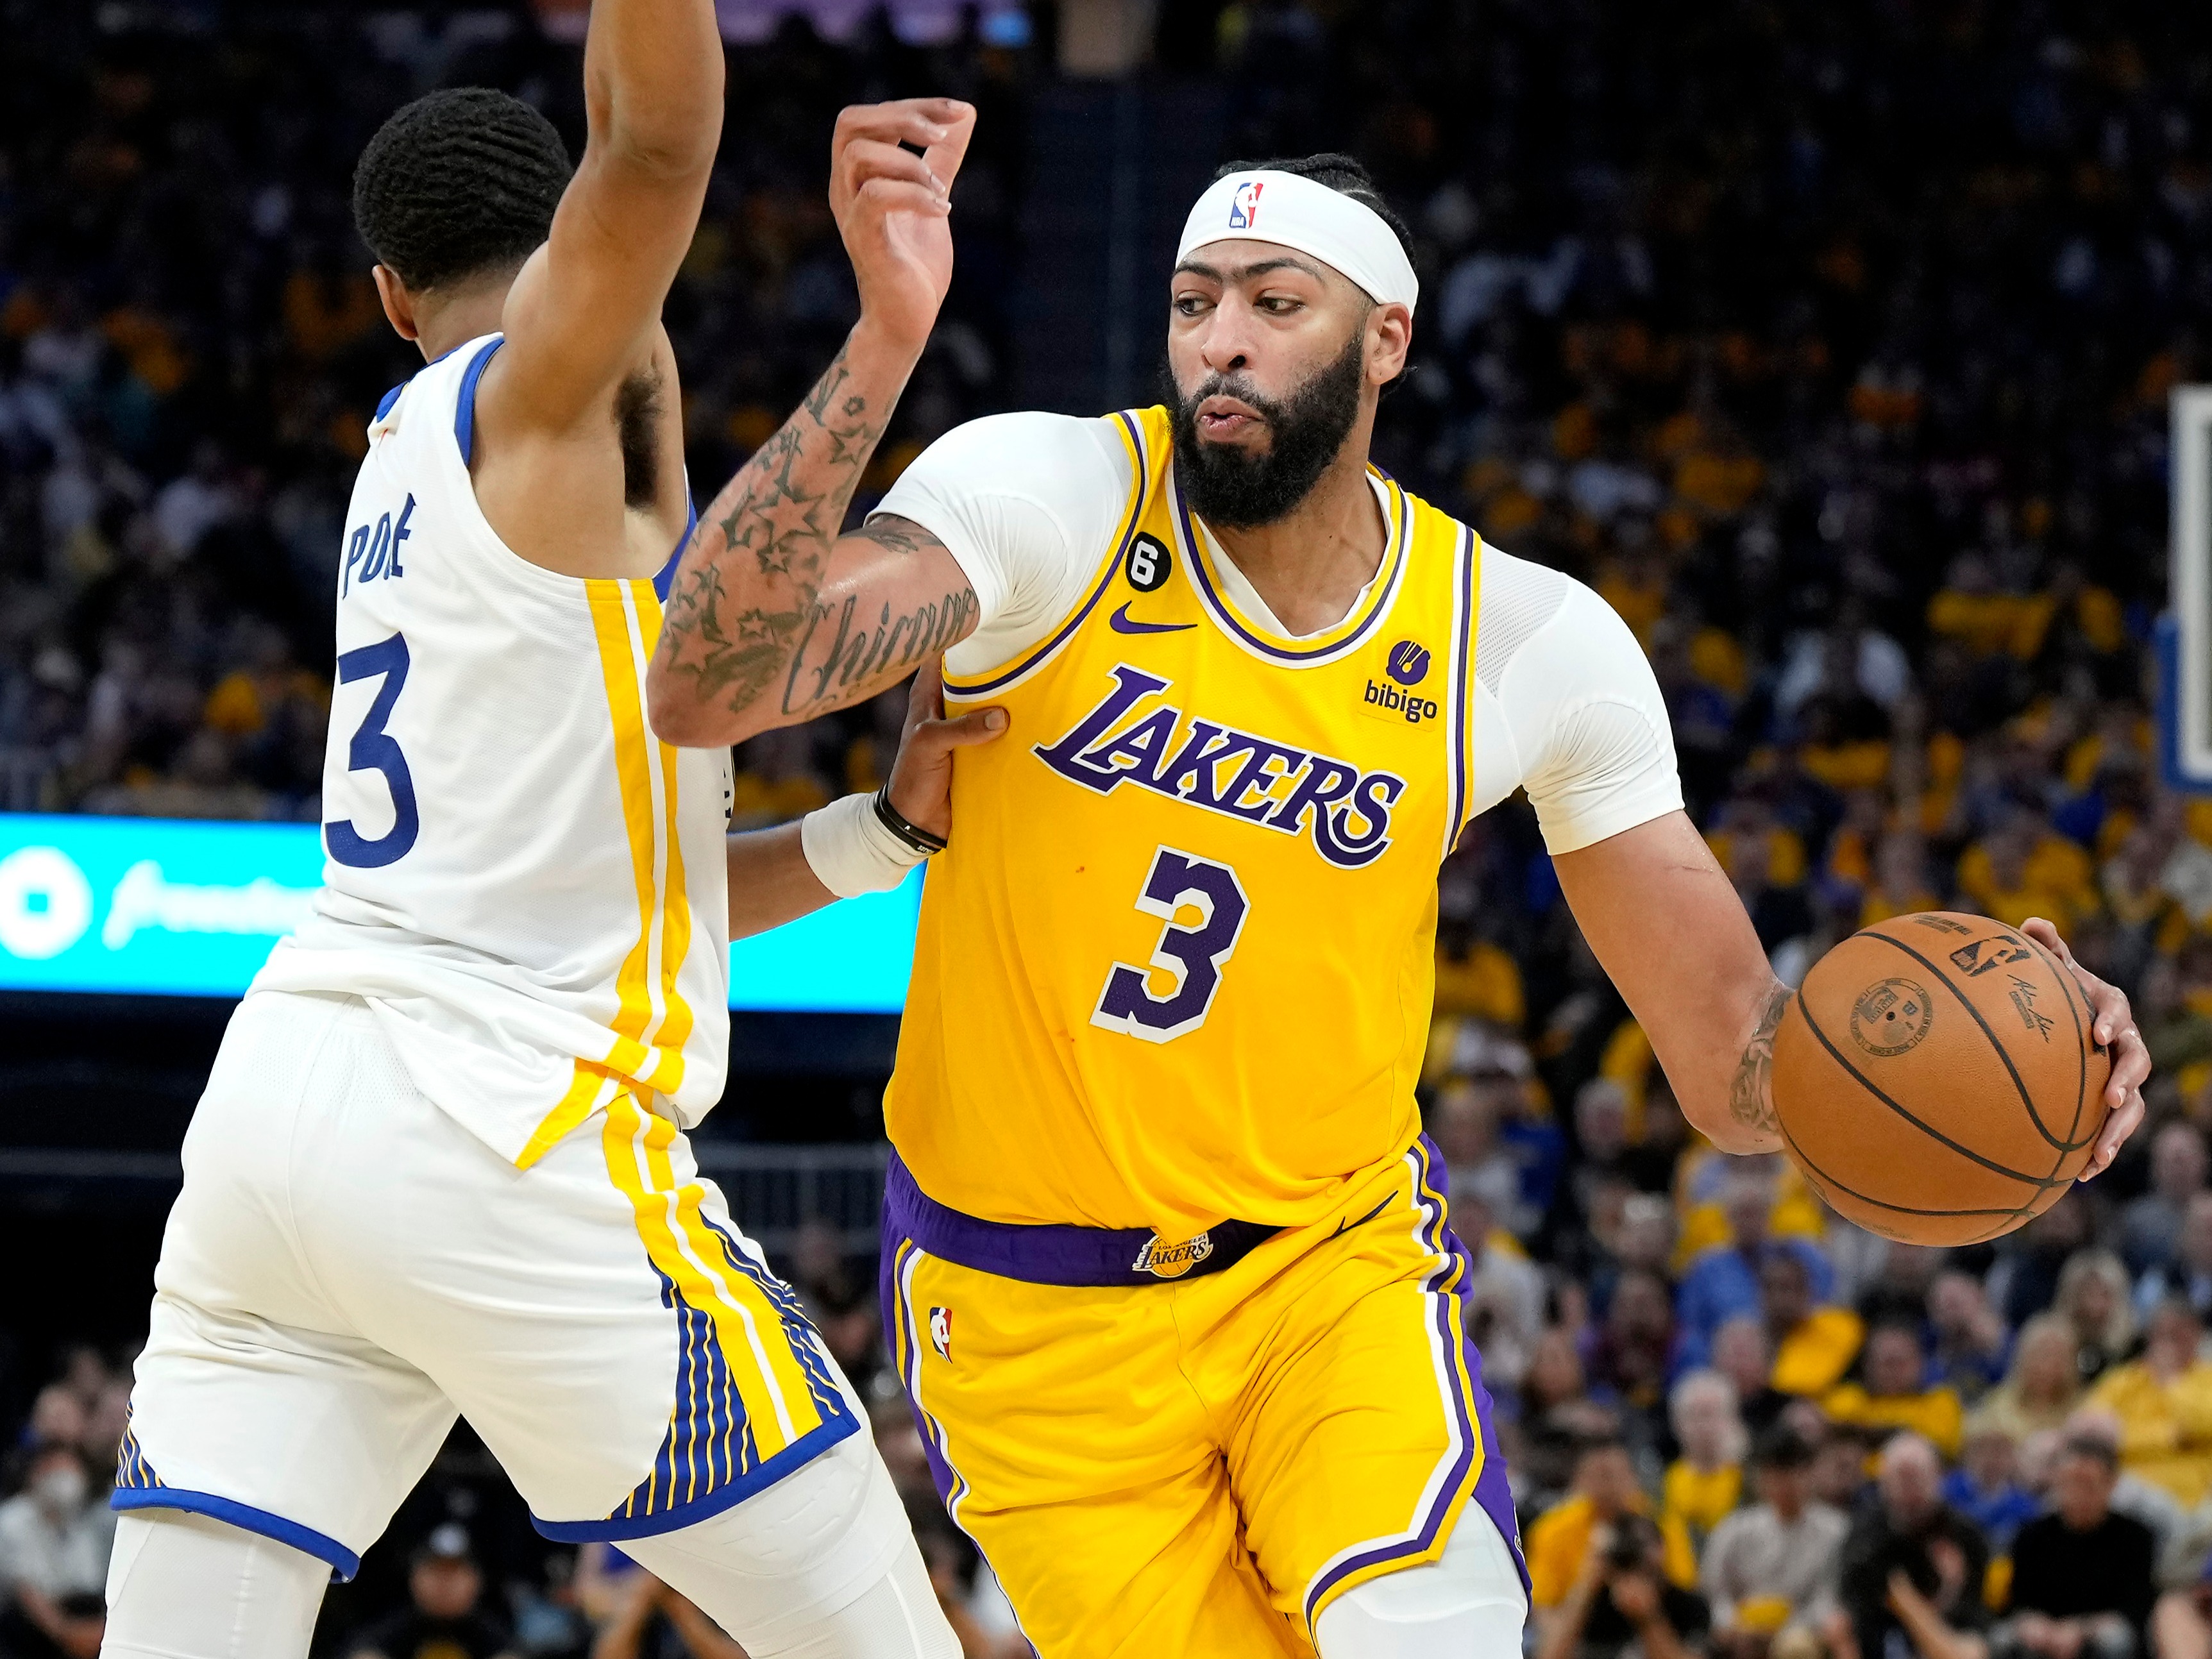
1096, 1257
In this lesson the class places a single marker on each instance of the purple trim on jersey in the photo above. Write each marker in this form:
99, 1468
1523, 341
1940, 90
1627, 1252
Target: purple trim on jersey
983, 689
1490, 1494
1379, 607
1098, 1258
1462, 689
464, 406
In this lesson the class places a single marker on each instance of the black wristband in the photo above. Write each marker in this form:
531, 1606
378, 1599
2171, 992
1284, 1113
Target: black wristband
911, 832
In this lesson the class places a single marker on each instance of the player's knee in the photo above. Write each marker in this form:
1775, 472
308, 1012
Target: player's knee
186, 1587
1468, 1602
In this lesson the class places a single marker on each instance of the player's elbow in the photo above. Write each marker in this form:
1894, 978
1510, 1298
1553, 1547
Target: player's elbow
666, 152
670, 141
679, 716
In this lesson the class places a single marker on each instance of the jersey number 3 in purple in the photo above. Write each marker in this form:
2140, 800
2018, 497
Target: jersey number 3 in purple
1190, 956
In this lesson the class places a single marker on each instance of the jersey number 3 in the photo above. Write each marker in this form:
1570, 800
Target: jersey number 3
1191, 957
375, 749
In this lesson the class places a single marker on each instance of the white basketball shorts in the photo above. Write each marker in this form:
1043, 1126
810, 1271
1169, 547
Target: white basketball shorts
347, 1268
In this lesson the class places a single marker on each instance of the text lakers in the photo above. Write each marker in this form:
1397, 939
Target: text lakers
1134, 736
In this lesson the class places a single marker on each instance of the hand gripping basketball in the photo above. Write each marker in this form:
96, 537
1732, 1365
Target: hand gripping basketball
1942, 1078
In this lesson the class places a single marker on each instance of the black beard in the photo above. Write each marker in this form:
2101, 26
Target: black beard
1227, 486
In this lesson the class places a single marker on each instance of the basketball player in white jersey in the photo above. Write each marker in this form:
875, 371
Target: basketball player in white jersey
440, 1165
1219, 572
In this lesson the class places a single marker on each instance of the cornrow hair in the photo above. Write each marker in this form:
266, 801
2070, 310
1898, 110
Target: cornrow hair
457, 183
1344, 174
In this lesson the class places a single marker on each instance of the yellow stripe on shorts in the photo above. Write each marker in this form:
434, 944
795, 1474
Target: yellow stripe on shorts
779, 1403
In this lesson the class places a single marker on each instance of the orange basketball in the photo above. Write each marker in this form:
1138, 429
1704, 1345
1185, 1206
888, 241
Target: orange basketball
1936, 1078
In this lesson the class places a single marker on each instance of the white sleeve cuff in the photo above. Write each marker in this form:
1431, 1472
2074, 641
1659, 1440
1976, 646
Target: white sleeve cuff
850, 850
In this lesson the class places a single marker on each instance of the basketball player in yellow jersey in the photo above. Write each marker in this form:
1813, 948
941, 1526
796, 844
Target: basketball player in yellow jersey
1166, 1259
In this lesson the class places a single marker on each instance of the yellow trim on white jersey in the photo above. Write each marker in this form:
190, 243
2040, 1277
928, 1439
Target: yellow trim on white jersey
653, 1021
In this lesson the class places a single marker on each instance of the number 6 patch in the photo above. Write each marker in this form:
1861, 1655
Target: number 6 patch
1191, 956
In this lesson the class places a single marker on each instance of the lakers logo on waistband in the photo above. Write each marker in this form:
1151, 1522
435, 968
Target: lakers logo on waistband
1172, 1260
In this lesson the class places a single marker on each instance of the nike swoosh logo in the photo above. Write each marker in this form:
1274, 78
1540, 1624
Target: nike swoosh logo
1344, 1227
1122, 622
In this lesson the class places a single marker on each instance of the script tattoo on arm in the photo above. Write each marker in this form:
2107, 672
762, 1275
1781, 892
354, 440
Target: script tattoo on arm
739, 610
1751, 1095
843, 655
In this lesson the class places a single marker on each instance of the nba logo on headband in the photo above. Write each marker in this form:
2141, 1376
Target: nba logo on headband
1244, 206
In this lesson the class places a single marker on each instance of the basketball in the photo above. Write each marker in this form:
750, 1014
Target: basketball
1937, 1080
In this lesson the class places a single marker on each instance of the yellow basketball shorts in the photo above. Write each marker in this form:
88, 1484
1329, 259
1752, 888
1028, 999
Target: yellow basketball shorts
1196, 1465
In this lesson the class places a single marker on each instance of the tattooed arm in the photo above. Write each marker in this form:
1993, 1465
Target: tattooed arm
774, 616
1667, 928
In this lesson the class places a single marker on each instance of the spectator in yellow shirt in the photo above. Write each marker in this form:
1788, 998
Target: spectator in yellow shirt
1893, 1395
2164, 1404
1604, 1490
1813, 1346
1706, 1481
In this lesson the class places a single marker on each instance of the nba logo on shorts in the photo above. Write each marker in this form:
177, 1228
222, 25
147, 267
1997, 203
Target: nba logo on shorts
940, 1332
1244, 206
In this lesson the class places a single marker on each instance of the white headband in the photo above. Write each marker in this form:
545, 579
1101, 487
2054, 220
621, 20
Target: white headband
1298, 213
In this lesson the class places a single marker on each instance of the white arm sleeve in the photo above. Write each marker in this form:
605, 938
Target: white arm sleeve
1026, 505
1579, 707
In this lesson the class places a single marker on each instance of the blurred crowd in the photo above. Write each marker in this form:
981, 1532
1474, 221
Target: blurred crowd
190, 349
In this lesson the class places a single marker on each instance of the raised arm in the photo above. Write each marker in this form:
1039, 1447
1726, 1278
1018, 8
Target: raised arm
773, 617
580, 316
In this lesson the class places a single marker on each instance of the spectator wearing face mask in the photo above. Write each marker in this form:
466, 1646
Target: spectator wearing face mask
1893, 1395
54, 1544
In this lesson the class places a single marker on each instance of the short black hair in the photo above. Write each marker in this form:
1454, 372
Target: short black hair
1782, 1447
1592, 1440
1344, 174
457, 182
2096, 1448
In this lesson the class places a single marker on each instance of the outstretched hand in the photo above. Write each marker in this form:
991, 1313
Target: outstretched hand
2113, 1024
922, 776
891, 206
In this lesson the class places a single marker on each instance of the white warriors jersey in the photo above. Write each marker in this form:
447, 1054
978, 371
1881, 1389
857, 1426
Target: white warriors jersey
523, 882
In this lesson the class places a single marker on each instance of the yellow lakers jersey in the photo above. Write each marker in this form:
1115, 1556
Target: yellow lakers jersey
1178, 965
